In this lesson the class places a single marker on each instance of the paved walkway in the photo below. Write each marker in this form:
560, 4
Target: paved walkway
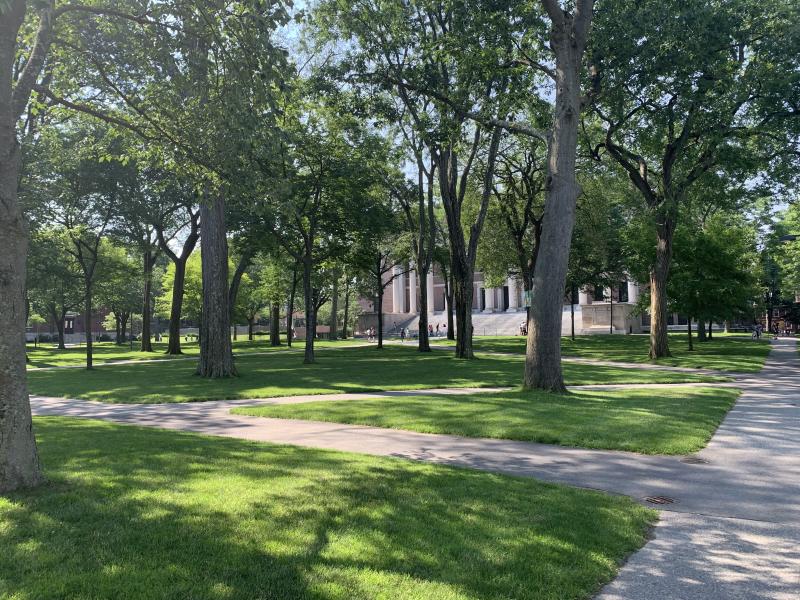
733, 531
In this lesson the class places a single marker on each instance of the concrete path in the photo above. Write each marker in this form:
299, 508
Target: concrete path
733, 530
735, 534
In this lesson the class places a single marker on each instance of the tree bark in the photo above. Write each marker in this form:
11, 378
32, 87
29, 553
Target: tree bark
19, 459
659, 273
346, 308
334, 323
310, 310
710, 333
448, 296
424, 343
147, 315
379, 304
290, 309
87, 320
701, 330
58, 319
216, 354
572, 318
463, 289
123, 325
174, 345
250, 322
274, 325
568, 34
689, 331
236, 280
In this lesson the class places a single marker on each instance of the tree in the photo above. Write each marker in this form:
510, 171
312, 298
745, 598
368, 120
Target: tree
167, 226
54, 277
334, 168
684, 89
119, 285
713, 274
438, 59
191, 296
79, 179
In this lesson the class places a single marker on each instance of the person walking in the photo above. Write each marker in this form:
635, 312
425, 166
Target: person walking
402, 335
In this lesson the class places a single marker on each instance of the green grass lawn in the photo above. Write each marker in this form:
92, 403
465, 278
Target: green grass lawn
48, 355
736, 353
336, 370
660, 421
140, 513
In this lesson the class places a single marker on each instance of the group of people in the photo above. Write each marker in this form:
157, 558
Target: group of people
758, 329
439, 331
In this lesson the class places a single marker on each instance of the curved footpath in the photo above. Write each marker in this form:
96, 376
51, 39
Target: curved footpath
731, 532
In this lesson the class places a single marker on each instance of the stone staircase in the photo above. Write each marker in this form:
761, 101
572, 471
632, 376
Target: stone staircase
489, 324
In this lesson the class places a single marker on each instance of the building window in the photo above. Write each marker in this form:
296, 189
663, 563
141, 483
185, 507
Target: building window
622, 291
599, 294
69, 325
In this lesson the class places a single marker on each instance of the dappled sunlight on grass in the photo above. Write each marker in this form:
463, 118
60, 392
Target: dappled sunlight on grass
678, 421
737, 353
135, 513
336, 370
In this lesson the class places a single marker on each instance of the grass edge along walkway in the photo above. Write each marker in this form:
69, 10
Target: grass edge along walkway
131, 510
647, 421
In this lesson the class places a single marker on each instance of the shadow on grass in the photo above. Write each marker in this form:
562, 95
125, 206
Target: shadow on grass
140, 513
336, 370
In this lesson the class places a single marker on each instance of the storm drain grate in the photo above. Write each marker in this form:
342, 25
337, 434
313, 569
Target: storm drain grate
660, 500
694, 460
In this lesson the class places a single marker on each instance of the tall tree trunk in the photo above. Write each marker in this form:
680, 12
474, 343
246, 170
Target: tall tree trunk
250, 321
147, 316
572, 318
379, 304
59, 320
19, 459
463, 290
235, 332
346, 308
87, 320
216, 354
236, 280
178, 284
448, 296
334, 324
659, 273
701, 330
290, 309
123, 325
568, 35
117, 339
710, 332
310, 310
689, 331
274, 325
424, 343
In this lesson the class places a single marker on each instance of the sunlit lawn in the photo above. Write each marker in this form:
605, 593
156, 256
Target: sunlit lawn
737, 353
662, 421
48, 355
142, 513
336, 370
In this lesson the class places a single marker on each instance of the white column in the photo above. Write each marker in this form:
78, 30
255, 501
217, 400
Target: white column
513, 294
429, 291
398, 289
584, 298
489, 296
633, 291
412, 291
